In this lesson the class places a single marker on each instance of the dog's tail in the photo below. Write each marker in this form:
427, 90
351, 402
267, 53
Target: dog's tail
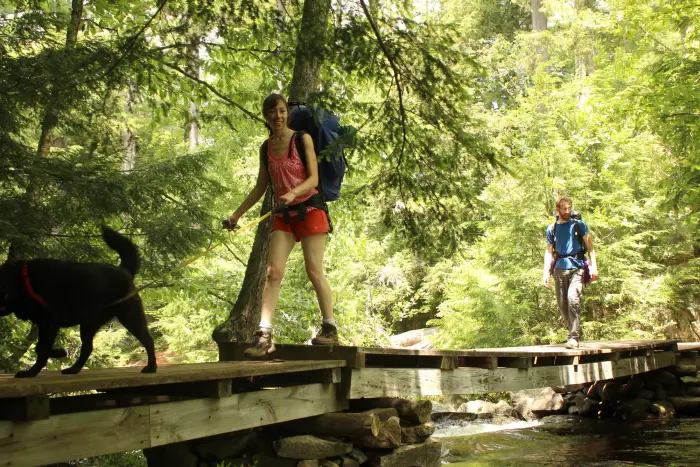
129, 254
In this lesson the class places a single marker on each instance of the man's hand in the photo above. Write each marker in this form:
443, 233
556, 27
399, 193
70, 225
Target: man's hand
593, 271
545, 279
288, 198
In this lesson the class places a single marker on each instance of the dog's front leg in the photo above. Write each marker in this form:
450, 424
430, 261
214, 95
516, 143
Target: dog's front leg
47, 336
87, 334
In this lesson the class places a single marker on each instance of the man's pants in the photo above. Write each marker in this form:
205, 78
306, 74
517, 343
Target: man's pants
568, 285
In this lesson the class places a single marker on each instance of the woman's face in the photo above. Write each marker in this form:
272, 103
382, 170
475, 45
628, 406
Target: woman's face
277, 116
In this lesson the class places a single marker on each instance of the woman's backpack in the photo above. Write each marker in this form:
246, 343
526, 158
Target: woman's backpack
330, 140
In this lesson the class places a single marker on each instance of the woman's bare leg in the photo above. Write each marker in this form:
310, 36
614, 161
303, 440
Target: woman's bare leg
281, 245
314, 247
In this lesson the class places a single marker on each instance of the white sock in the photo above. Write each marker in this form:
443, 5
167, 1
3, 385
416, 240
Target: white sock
329, 321
265, 326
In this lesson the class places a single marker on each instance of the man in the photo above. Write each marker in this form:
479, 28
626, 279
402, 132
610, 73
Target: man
565, 248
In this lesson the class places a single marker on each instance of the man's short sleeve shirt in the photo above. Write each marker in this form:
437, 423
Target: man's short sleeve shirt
567, 243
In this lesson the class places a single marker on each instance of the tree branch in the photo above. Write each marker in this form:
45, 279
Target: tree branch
211, 88
396, 78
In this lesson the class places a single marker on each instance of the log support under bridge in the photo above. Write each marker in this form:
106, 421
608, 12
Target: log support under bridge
43, 421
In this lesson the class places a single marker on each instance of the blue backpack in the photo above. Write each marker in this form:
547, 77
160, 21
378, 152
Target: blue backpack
329, 141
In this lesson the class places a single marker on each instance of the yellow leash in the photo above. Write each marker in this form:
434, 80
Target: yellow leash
194, 258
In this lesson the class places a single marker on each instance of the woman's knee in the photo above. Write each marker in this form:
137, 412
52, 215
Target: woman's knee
275, 273
315, 273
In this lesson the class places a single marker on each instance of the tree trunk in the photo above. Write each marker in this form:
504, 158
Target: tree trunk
245, 315
539, 24
310, 49
18, 248
412, 411
51, 117
335, 424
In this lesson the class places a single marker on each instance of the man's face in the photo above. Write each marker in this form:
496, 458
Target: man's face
564, 211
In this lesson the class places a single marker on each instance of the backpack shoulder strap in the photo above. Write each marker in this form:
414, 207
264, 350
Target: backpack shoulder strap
577, 227
301, 149
263, 155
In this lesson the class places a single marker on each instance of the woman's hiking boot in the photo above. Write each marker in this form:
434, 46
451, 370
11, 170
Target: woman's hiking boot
328, 335
262, 344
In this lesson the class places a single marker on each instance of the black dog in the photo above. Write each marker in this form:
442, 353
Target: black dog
54, 294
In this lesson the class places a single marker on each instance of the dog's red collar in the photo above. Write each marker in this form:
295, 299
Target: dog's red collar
30, 290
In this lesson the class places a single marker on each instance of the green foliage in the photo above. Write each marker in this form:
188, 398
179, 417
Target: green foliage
451, 184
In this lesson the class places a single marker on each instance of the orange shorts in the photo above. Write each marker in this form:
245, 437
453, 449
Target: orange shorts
315, 222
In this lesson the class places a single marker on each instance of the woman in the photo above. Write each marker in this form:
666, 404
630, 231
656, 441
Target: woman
303, 220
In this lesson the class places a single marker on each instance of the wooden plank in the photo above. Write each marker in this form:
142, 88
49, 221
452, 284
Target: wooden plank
180, 421
234, 351
48, 382
73, 436
216, 389
377, 382
688, 346
331, 375
25, 408
92, 402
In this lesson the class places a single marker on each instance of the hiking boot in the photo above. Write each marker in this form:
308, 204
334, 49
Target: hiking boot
571, 343
262, 344
328, 335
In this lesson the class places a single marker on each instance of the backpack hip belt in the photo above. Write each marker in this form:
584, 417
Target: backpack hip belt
315, 201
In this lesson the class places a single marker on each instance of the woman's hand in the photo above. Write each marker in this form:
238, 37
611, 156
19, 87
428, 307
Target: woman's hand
231, 222
288, 198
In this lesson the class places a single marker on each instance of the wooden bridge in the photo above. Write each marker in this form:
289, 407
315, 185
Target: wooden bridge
55, 417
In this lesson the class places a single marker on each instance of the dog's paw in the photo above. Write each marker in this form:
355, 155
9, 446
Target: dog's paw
149, 369
26, 374
71, 371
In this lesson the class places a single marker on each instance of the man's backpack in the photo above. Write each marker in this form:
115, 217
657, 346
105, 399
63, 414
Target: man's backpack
576, 217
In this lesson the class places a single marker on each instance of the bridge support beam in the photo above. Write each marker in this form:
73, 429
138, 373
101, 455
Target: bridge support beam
397, 382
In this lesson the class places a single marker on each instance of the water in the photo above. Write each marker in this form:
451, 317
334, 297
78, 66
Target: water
572, 441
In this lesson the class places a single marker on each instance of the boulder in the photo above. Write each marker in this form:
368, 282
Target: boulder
548, 402
482, 409
346, 461
358, 455
423, 454
310, 447
417, 433
686, 405
523, 406
663, 409
586, 406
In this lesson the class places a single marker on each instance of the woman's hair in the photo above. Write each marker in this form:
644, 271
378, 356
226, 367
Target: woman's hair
562, 200
271, 102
